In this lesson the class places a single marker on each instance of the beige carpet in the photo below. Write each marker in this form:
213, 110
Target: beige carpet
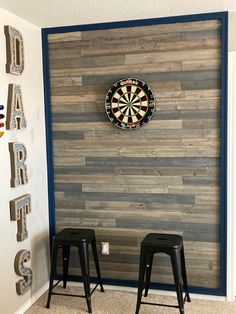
116, 302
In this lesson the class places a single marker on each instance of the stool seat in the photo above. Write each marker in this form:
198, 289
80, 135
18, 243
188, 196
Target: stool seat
73, 236
171, 244
160, 240
81, 238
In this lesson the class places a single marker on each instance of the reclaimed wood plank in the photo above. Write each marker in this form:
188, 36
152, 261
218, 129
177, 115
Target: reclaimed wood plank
149, 47
70, 178
153, 215
196, 162
145, 76
117, 69
66, 81
186, 55
69, 161
64, 37
159, 134
83, 62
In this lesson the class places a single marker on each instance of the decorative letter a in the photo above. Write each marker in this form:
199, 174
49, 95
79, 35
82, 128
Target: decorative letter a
15, 111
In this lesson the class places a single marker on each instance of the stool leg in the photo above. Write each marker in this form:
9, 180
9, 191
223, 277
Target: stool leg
176, 266
52, 273
84, 263
142, 267
95, 256
184, 274
65, 261
148, 273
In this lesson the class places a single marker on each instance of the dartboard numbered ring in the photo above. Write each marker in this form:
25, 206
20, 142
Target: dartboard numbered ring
130, 104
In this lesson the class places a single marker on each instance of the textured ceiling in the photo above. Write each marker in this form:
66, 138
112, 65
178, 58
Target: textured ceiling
45, 13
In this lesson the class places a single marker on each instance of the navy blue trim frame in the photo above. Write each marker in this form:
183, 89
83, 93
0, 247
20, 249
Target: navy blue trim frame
223, 17
223, 155
49, 141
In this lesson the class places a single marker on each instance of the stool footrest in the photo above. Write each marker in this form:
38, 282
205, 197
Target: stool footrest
72, 295
94, 289
54, 286
160, 304
68, 294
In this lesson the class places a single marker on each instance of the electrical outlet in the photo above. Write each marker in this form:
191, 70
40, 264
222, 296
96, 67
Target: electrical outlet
105, 248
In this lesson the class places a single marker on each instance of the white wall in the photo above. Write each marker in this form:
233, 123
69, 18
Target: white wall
33, 137
46, 13
232, 31
231, 217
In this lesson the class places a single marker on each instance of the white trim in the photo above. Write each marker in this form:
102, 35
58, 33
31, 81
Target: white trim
151, 291
231, 217
33, 299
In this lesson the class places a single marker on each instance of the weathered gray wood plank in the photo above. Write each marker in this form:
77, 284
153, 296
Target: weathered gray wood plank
154, 162
145, 47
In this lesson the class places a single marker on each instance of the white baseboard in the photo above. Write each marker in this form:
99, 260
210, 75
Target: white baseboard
33, 299
152, 291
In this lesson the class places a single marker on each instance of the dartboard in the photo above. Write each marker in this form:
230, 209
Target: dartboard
130, 104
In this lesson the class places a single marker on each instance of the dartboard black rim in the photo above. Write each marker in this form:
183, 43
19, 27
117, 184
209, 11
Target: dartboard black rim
130, 104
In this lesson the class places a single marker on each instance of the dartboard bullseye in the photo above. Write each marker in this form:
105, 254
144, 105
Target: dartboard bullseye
130, 104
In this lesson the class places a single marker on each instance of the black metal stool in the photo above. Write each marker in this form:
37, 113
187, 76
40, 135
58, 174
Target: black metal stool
81, 239
172, 245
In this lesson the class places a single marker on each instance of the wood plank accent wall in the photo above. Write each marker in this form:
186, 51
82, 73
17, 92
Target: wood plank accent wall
161, 178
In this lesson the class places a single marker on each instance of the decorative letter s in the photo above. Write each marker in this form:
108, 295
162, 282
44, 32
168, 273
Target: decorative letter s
25, 284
